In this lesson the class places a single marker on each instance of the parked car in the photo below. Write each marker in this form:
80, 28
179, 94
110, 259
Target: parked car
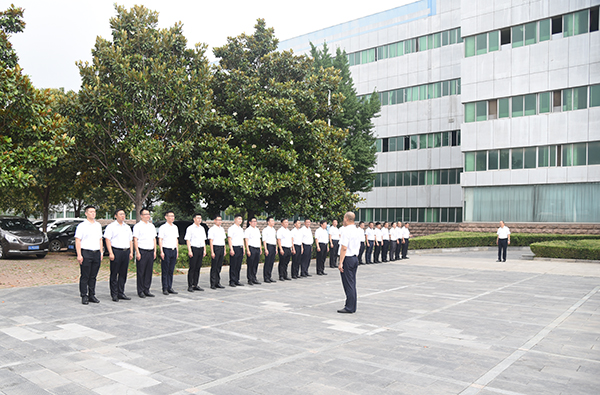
59, 236
18, 236
61, 221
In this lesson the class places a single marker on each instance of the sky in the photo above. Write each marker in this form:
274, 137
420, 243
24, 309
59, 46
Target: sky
61, 32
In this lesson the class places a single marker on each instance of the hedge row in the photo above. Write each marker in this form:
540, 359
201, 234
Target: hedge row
568, 249
479, 239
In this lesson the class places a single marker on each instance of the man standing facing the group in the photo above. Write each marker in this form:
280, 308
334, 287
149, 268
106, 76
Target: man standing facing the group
119, 244
168, 244
370, 240
235, 239
144, 241
254, 250
88, 244
284, 242
297, 249
361, 226
503, 240
322, 242
350, 241
269, 237
216, 238
405, 240
307, 241
195, 238
334, 240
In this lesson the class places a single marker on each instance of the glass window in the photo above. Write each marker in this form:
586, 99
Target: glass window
415, 93
430, 140
469, 161
567, 155
437, 89
579, 151
469, 47
504, 158
452, 176
408, 46
567, 99
414, 141
530, 33
392, 179
445, 38
422, 177
545, 30
423, 43
530, 104
544, 102
580, 22
422, 141
557, 25
595, 95
437, 40
392, 144
459, 38
445, 139
399, 179
445, 88
494, 40
481, 161
407, 178
568, 25
378, 145
386, 146
492, 109
594, 153
423, 92
481, 110
517, 36
384, 179
493, 160
517, 158
430, 41
503, 105
451, 211
400, 96
469, 112
553, 151
517, 106
400, 48
458, 86
543, 156
437, 140
377, 180
530, 158
444, 215
429, 177
381, 52
453, 87
406, 216
481, 44
444, 177
505, 36
580, 98
421, 215
452, 36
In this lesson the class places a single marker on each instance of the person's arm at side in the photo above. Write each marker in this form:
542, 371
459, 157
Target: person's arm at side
330, 241
189, 246
230, 242
160, 247
111, 255
138, 256
154, 238
266, 249
279, 246
212, 250
342, 256
509, 237
78, 249
247, 247
130, 249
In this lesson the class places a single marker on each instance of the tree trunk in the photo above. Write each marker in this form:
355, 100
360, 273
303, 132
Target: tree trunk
250, 215
139, 200
45, 195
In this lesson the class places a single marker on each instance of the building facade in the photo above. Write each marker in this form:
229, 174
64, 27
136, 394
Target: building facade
490, 110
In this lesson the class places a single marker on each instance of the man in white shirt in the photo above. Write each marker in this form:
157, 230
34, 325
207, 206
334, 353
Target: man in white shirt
269, 237
361, 226
284, 242
88, 244
297, 249
378, 243
405, 240
216, 238
334, 240
394, 242
168, 243
350, 241
370, 242
503, 240
195, 238
385, 235
119, 244
307, 242
322, 241
235, 238
144, 242
254, 250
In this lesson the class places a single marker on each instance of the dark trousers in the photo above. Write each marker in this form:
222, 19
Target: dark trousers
305, 262
235, 264
215, 265
89, 271
393, 245
269, 261
296, 259
405, 248
144, 271
252, 263
377, 253
284, 259
384, 250
195, 266
118, 272
398, 249
321, 256
333, 253
349, 282
502, 246
369, 256
167, 267
360, 252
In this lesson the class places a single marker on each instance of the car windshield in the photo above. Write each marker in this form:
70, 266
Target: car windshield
63, 227
11, 224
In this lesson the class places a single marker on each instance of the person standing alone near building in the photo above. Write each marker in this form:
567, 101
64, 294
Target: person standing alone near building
322, 241
235, 238
168, 244
144, 242
195, 238
334, 240
350, 242
88, 245
503, 240
119, 244
216, 238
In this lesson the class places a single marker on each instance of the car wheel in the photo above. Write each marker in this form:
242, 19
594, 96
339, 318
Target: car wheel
3, 251
55, 245
40, 255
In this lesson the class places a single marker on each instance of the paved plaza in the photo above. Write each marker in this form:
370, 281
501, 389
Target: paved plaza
439, 323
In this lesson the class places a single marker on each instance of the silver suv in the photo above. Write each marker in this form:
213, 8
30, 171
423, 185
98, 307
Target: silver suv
18, 236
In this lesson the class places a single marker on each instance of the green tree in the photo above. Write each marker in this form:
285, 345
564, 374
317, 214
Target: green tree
355, 117
279, 155
143, 102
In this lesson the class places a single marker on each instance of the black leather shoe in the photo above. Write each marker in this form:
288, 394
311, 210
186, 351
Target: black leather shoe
93, 299
239, 284
504, 260
141, 295
287, 278
213, 287
323, 274
220, 286
250, 282
308, 275
148, 294
281, 278
405, 257
197, 288
190, 289
498, 260
232, 285
85, 300
256, 282
124, 297
165, 292
115, 299
272, 281
172, 291
266, 281
344, 311
295, 277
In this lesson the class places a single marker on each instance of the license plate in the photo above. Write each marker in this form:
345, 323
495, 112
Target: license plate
71, 247
33, 247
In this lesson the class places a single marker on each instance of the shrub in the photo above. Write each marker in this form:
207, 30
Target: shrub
568, 249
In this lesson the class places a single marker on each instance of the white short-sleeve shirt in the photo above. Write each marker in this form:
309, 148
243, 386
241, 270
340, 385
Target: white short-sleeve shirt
503, 232
145, 233
351, 237
237, 235
169, 235
253, 235
370, 234
307, 237
217, 235
334, 233
378, 234
296, 236
322, 236
285, 235
196, 235
90, 235
120, 235
385, 233
269, 235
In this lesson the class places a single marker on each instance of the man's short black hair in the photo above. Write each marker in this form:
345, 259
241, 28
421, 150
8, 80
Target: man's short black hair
237, 216
252, 219
269, 218
385, 223
323, 222
144, 209
377, 223
117, 212
169, 212
197, 215
296, 220
217, 216
86, 208
360, 223
283, 219
370, 222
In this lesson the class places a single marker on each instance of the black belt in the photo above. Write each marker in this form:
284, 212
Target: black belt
143, 249
120, 249
167, 248
83, 249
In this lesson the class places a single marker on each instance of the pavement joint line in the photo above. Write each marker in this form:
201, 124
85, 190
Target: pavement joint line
564, 356
487, 378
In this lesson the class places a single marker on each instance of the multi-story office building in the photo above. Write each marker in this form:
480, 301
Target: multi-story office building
490, 110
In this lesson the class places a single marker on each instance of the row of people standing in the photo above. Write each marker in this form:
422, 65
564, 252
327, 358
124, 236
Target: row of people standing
383, 241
